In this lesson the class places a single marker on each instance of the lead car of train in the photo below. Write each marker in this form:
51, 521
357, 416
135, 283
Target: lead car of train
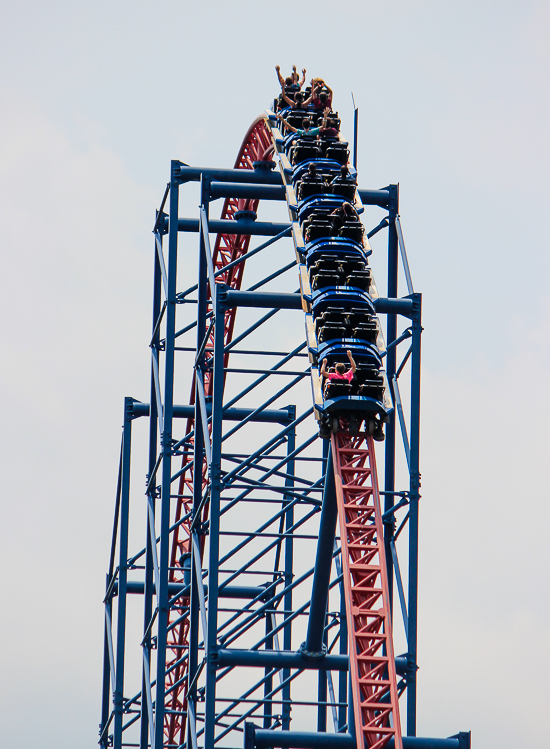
336, 281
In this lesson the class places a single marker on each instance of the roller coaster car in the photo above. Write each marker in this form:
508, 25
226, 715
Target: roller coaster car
308, 187
336, 122
334, 324
366, 331
333, 117
335, 248
346, 406
342, 298
343, 262
294, 139
325, 278
331, 332
338, 152
322, 228
327, 167
296, 117
339, 273
302, 150
352, 230
366, 355
317, 229
319, 207
345, 189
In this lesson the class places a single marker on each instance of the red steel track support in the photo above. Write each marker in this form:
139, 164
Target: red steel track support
372, 664
257, 146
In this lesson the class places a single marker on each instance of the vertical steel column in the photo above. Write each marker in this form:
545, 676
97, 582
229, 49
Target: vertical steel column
322, 697
268, 685
166, 448
198, 460
322, 675
391, 335
342, 675
153, 436
323, 566
413, 517
106, 687
122, 574
288, 574
214, 523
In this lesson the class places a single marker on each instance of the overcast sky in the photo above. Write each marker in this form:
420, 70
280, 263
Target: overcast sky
97, 97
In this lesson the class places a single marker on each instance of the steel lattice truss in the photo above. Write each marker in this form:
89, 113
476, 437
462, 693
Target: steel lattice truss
372, 662
268, 572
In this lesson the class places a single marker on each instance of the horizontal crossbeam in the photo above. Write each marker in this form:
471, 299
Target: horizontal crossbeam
231, 226
137, 587
265, 176
290, 659
280, 659
256, 738
264, 299
246, 190
230, 298
276, 416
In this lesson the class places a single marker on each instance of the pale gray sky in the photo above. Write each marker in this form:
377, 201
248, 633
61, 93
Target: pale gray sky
97, 97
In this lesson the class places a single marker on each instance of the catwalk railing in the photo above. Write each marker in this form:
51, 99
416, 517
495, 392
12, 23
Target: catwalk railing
235, 555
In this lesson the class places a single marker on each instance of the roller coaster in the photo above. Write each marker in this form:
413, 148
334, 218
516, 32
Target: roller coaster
262, 606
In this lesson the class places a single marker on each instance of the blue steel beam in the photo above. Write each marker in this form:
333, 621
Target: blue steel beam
240, 226
244, 190
287, 659
137, 587
375, 197
118, 697
414, 497
313, 646
166, 472
263, 177
194, 174
391, 336
256, 738
280, 659
147, 720
211, 636
269, 299
276, 416
261, 299
199, 454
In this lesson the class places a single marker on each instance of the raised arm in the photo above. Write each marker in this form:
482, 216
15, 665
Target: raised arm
352, 363
292, 129
303, 77
279, 76
308, 100
323, 371
329, 90
287, 98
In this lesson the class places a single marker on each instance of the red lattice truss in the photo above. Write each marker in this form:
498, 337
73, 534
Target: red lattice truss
372, 664
256, 146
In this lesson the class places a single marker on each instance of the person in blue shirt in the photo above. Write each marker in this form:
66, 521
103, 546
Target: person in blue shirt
306, 130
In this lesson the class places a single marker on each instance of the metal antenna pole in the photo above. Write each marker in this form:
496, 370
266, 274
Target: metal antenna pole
355, 130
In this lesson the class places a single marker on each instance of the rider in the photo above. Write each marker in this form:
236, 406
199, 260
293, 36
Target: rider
307, 129
342, 374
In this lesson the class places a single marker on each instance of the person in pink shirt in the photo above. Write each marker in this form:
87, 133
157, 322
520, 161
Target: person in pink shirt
342, 374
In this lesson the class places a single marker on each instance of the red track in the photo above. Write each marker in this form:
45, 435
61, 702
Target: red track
372, 663
257, 146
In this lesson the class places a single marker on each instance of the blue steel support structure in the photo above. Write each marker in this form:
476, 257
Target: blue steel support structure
259, 586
